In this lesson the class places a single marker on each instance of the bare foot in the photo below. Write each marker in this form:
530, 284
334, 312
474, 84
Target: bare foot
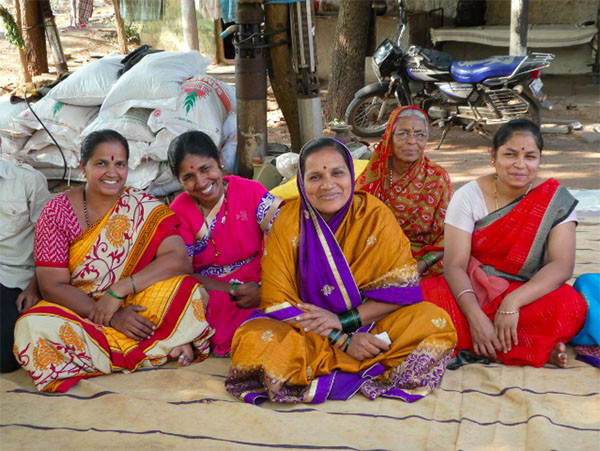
558, 356
184, 354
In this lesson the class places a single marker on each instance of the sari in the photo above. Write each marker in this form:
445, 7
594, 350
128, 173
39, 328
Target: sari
58, 348
587, 341
360, 254
418, 199
227, 245
507, 249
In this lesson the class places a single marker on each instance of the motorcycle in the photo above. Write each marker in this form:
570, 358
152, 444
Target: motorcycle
477, 95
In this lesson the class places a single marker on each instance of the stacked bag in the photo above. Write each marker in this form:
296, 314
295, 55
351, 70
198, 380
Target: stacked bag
160, 97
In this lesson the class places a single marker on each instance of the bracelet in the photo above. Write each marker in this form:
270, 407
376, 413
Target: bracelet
334, 336
429, 259
347, 344
234, 286
132, 284
109, 291
502, 312
468, 290
350, 320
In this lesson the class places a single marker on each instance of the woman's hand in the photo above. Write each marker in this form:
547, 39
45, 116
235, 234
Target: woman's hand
104, 309
246, 295
483, 334
318, 320
506, 324
365, 346
27, 299
128, 321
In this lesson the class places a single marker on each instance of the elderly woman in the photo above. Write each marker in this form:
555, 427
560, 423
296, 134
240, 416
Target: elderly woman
224, 220
510, 248
415, 189
111, 268
340, 300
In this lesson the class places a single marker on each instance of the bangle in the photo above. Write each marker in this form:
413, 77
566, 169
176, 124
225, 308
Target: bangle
503, 312
468, 290
234, 286
429, 259
334, 336
109, 291
350, 320
347, 344
132, 284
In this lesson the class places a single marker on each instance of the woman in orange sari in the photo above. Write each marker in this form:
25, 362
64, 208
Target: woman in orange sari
111, 268
340, 301
510, 248
414, 188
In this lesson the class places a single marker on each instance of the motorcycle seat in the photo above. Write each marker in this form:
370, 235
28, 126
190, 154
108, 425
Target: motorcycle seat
437, 60
476, 71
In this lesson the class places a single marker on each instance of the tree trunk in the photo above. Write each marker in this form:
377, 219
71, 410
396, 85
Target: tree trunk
22, 56
347, 74
190, 25
121, 36
281, 75
33, 35
519, 18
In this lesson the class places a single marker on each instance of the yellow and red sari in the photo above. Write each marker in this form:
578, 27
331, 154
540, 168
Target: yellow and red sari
57, 347
419, 199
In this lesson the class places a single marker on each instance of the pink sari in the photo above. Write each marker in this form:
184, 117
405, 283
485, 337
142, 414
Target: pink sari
227, 246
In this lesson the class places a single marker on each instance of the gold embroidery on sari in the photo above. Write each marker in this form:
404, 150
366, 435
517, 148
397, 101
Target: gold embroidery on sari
327, 290
45, 354
70, 338
440, 323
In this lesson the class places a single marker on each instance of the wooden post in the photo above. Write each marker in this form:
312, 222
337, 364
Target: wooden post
26, 73
518, 27
219, 44
190, 25
121, 36
33, 35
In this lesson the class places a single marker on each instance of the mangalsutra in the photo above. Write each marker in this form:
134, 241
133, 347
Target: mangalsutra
496, 193
391, 175
85, 210
223, 219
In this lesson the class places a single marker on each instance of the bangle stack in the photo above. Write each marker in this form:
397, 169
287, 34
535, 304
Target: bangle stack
336, 335
429, 260
350, 320
109, 291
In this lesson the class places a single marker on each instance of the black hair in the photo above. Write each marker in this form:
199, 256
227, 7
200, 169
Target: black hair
94, 139
192, 142
320, 143
507, 130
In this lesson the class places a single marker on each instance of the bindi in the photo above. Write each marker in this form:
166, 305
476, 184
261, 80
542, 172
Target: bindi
522, 148
191, 167
112, 158
324, 167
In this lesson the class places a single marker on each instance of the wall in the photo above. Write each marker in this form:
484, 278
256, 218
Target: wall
168, 33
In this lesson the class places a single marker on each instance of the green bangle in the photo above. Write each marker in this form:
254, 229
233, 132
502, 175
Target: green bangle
234, 286
132, 284
350, 320
109, 291
334, 336
347, 344
429, 259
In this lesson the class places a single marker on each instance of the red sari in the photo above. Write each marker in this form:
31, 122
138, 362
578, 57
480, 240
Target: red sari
510, 243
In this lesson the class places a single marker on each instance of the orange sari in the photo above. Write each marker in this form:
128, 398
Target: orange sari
57, 347
419, 199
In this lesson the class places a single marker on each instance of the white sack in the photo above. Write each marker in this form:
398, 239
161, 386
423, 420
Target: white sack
133, 125
51, 156
154, 82
89, 85
8, 113
203, 104
143, 175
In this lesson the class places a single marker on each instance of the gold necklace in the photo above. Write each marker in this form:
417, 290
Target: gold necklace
391, 174
496, 194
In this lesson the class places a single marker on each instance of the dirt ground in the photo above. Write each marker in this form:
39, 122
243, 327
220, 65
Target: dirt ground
573, 158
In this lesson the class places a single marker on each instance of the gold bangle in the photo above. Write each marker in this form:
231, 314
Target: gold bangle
502, 312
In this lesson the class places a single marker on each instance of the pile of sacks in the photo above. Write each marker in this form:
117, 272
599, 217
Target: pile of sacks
160, 97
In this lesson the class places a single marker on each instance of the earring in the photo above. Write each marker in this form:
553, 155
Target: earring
222, 166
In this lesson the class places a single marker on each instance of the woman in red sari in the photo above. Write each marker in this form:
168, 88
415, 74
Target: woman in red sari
415, 189
510, 248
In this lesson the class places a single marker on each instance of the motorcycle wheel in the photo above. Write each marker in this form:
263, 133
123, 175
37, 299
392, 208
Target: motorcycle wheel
533, 114
362, 115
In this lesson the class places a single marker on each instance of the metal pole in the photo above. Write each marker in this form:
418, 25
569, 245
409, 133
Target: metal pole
518, 27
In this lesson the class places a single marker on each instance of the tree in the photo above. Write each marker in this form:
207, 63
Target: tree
33, 35
121, 35
347, 73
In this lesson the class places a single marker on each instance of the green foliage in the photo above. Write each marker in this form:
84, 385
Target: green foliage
13, 34
131, 32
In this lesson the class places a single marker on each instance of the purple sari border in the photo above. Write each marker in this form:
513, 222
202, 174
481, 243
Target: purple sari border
396, 295
589, 359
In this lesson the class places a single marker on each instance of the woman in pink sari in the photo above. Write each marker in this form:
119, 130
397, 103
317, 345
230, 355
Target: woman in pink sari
223, 223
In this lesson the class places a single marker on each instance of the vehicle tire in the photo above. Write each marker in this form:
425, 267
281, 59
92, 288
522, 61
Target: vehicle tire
362, 114
533, 112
